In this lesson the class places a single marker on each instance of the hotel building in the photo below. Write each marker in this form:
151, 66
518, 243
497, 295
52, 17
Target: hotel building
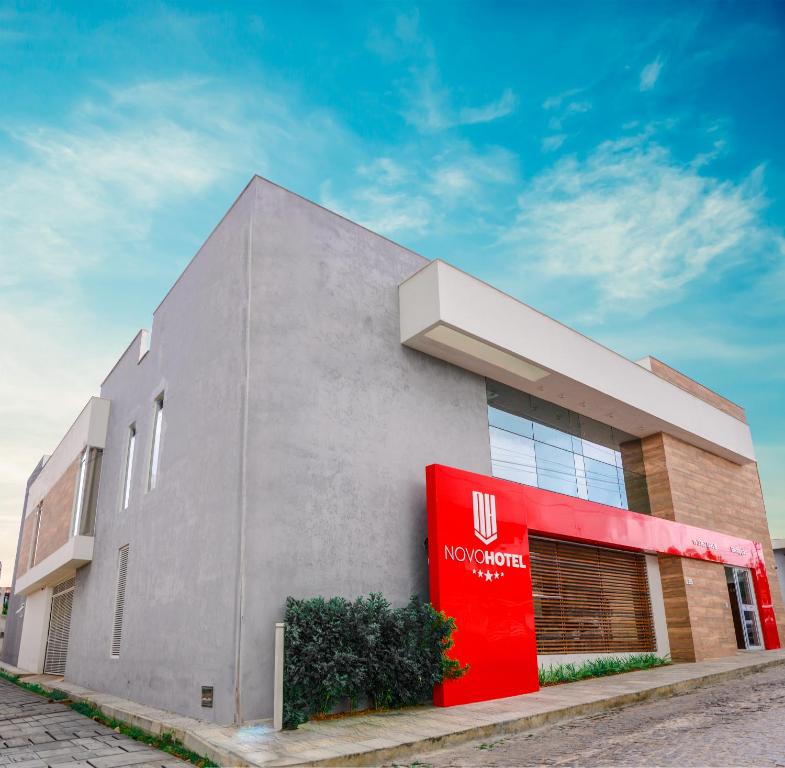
270, 436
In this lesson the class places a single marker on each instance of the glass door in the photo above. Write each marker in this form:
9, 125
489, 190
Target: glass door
745, 611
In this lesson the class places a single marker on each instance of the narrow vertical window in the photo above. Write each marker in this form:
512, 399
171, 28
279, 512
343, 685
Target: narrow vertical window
156, 449
36, 530
129, 466
80, 492
119, 602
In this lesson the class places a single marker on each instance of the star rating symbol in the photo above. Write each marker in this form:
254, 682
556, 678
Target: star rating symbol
488, 575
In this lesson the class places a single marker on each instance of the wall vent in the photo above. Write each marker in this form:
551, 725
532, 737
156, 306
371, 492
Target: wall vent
119, 603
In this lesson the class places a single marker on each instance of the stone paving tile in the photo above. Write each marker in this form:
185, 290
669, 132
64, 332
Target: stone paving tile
134, 746
30, 764
127, 758
35, 733
736, 723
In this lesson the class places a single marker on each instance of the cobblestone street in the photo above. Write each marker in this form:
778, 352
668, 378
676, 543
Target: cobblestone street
739, 723
35, 733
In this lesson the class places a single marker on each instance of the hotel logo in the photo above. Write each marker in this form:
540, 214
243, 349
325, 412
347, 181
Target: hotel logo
484, 516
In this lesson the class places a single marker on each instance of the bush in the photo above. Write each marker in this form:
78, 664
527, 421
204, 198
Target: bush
599, 667
339, 652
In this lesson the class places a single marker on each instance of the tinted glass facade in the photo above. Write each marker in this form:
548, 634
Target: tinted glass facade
545, 445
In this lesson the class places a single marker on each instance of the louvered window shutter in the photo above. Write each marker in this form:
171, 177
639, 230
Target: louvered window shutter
59, 628
590, 599
119, 604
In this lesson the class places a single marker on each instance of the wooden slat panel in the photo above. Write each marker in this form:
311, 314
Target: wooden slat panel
590, 599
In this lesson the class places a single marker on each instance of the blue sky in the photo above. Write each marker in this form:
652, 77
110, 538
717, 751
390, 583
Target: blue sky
619, 166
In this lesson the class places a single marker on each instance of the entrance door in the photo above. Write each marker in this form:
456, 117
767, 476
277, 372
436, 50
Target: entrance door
743, 608
59, 628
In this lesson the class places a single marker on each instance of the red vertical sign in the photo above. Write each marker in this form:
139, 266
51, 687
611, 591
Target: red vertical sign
478, 549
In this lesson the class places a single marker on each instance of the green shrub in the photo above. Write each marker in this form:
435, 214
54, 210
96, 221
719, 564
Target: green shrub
8, 676
339, 652
599, 667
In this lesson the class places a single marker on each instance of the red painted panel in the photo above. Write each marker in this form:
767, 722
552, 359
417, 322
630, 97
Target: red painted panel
495, 618
480, 575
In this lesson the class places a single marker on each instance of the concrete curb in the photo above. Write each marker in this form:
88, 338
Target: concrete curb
187, 730
176, 725
530, 722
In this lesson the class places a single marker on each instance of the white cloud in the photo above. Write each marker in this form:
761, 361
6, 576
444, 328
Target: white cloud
503, 106
430, 105
667, 340
635, 224
552, 102
556, 123
385, 171
384, 211
650, 74
459, 171
577, 107
552, 143
412, 193
78, 195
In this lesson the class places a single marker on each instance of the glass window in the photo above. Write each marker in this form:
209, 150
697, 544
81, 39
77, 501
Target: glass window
510, 422
129, 466
602, 482
36, 530
80, 491
155, 453
546, 445
555, 469
512, 457
552, 437
580, 475
599, 452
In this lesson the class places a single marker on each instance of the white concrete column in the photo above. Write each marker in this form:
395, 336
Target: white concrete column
657, 605
35, 627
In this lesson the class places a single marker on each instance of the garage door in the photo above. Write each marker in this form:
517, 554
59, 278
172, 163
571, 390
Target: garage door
590, 599
59, 628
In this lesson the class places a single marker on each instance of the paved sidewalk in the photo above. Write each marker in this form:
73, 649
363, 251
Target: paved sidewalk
36, 733
393, 736
736, 723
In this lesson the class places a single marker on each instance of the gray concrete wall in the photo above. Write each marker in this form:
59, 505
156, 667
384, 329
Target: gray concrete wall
779, 563
342, 423
16, 603
180, 608
297, 429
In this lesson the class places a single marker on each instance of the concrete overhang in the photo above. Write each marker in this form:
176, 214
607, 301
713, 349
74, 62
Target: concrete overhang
455, 317
60, 565
89, 429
